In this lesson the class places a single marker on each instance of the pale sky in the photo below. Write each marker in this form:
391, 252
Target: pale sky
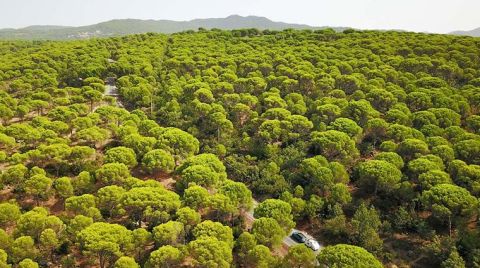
440, 16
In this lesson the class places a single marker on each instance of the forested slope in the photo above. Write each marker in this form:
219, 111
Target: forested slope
121, 27
367, 140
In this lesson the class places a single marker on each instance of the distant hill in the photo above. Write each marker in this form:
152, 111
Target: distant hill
134, 26
474, 32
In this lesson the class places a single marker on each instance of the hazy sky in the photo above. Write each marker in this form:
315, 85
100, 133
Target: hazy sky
417, 15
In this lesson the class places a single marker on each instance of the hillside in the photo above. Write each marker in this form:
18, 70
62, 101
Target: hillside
474, 32
135, 26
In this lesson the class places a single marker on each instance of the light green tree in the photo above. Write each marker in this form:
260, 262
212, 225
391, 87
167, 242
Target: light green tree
105, 241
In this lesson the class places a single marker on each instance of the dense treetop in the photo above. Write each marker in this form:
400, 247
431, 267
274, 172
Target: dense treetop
368, 140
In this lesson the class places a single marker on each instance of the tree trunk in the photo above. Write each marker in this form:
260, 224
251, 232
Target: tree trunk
449, 225
151, 106
102, 260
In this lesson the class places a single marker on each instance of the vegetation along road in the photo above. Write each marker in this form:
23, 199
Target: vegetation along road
287, 241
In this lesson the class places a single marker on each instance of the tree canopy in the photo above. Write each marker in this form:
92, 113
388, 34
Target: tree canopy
205, 148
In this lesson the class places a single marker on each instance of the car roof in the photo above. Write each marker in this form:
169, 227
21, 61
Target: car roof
300, 233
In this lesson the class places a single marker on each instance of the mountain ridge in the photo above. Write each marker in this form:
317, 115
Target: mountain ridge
118, 27
475, 32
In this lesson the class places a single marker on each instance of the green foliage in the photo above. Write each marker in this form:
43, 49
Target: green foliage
334, 145
140, 201
169, 233
9, 213
140, 144
454, 260
188, 216
268, 232
200, 175
196, 197
33, 222
77, 224
28, 263
238, 193
48, 240
126, 262
211, 252
158, 160
278, 210
347, 126
468, 150
109, 198
105, 241
82, 183
381, 175
433, 177
260, 256
299, 256
92, 135
244, 243
179, 143
3, 259
342, 255
23, 248
166, 256
5, 239
411, 148
214, 229
122, 155
64, 187
340, 194
206, 120
392, 158
208, 160
456, 199
112, 173
38, 186
366, 224
84, 205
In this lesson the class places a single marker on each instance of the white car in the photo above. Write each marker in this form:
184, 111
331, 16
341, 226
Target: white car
314, 245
